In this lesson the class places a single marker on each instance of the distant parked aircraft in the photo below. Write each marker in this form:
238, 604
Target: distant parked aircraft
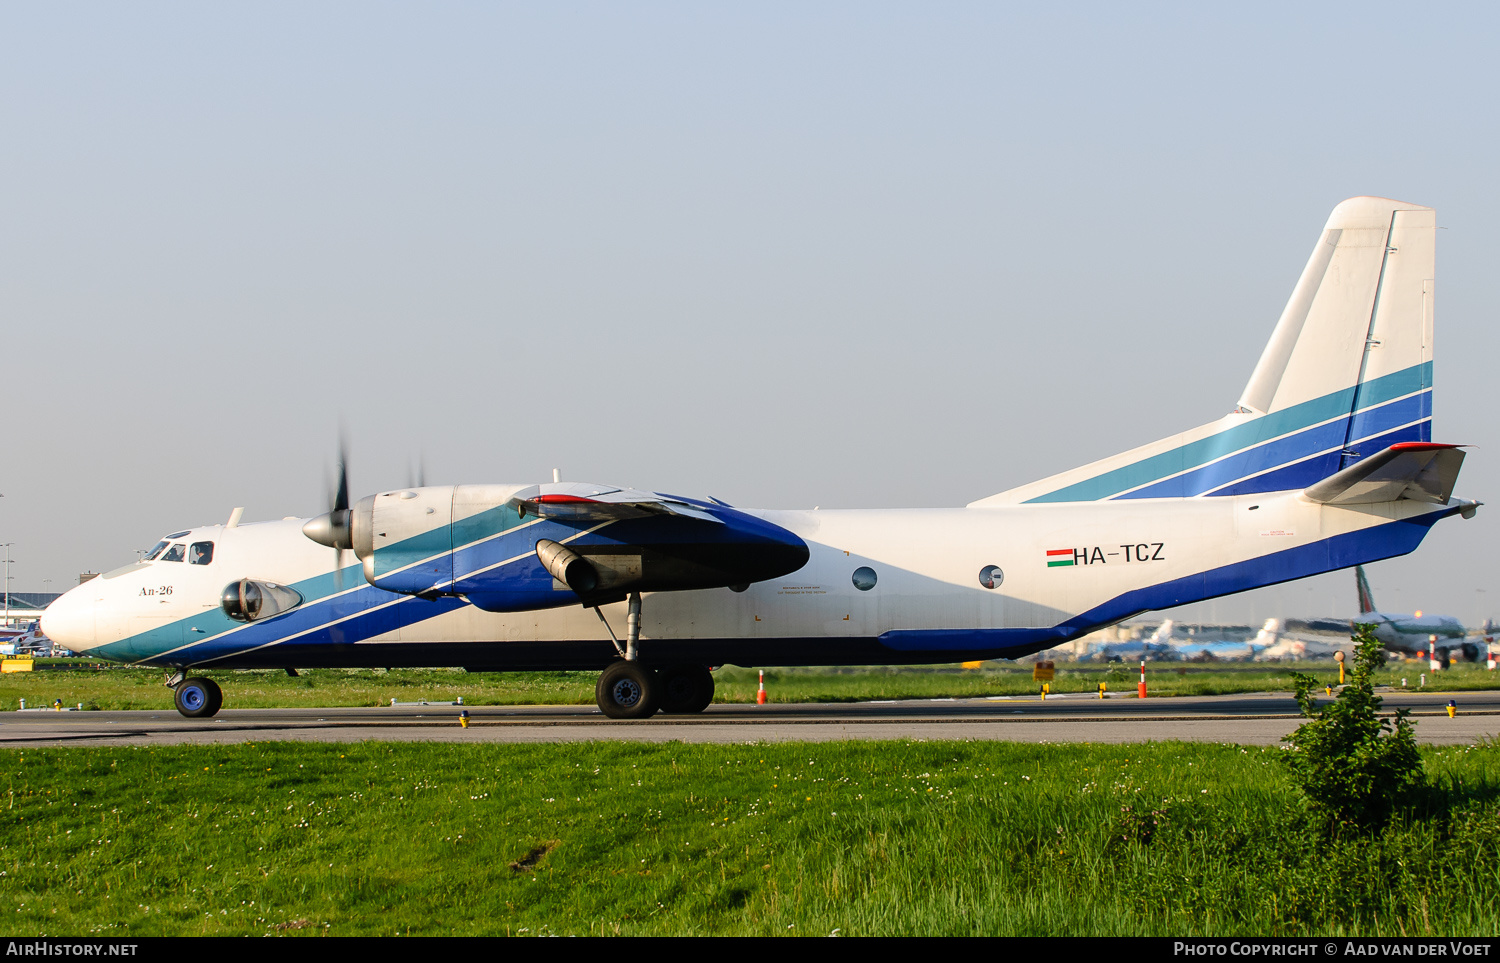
1414, 634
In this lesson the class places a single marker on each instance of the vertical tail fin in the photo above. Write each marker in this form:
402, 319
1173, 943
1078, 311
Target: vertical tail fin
1347, 373
1358, 327
1366, 600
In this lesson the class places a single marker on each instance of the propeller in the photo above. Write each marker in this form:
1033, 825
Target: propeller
339, 516
332, 529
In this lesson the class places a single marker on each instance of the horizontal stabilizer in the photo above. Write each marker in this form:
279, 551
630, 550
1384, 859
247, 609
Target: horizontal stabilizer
1423, 471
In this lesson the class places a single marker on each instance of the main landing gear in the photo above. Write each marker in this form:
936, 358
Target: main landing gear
629, 690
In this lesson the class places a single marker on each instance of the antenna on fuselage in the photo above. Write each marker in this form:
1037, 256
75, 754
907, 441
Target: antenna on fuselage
234, 517
556, 475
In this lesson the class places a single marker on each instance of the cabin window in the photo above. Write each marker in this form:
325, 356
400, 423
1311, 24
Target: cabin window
175, 553
200, 553
864, 578
990, 576
156, 551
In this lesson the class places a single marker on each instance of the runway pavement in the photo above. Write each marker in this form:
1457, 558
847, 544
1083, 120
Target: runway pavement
1254, 719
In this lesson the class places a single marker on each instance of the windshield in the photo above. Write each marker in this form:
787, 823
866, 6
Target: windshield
156, 551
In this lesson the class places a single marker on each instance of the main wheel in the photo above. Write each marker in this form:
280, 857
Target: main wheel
627, 691
198, 698
686, 688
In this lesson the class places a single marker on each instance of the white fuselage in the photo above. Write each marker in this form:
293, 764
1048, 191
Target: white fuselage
1111, 560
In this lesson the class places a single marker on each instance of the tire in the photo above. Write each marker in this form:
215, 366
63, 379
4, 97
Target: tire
627, 691
198, 698
685, 688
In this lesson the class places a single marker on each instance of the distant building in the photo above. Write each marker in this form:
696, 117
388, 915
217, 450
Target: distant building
23, 607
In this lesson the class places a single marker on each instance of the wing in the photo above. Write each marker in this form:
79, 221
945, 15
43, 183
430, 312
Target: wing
579, 501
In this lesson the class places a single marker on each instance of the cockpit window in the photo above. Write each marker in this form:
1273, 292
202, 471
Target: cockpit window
200, 553
175, 553
156, 551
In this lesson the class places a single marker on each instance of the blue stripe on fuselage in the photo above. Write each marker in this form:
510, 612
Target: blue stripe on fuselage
1295, 448
173, 645
1313, 470
1256, 431
1327, 555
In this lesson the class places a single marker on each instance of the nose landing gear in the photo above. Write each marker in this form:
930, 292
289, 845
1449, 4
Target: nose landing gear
197, 698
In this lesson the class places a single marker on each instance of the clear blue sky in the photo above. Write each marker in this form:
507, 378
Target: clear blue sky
787, 255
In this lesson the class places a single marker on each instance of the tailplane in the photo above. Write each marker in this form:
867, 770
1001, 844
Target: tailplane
1347, 374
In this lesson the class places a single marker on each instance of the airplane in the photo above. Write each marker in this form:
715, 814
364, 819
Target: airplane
1192, 649
1415, 634
1157, 647
1164, 645
34, 641
1326, 462
1273, 645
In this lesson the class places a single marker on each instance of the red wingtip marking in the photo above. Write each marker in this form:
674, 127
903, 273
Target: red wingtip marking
1421, 446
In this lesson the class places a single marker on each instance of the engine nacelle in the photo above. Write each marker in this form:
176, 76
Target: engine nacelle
481, 543
249, 600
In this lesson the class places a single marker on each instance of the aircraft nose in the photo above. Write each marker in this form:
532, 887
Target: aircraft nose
69, 620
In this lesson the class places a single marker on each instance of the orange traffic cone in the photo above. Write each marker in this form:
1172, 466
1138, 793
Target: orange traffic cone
760, 697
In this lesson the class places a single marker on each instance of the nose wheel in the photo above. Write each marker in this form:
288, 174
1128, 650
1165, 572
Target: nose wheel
197, 698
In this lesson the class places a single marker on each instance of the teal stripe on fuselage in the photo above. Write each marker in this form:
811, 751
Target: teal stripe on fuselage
491, 521
446, 538
409, 551
179, 635
214, 623
1262, 429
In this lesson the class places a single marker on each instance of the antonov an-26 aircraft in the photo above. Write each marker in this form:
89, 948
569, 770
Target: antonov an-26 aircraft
1326, 462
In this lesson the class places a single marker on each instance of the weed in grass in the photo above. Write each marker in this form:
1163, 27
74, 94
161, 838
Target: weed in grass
1353, 767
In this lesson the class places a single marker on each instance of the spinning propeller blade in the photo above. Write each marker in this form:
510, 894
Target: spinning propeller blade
339, 516
332, 529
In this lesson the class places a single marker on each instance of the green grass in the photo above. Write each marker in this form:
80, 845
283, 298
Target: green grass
903, 838
129, 688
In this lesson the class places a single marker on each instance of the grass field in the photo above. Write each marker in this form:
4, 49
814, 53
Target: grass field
127, 688
850, 838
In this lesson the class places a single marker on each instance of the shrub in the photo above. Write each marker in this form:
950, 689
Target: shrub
1353, 767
